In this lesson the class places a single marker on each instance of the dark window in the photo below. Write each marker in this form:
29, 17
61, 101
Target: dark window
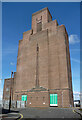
36, 98
43, 98
39, 26
37, 48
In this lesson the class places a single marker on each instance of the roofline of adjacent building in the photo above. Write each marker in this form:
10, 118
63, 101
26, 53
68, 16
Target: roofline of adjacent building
8, 78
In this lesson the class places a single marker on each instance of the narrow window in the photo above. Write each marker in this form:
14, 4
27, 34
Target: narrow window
39, 26
36, 98
43, 98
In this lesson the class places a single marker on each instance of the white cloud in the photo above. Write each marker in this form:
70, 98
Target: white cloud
73, 39
10, 49
0, 81
75, 92
75, 60
76, 95
75, 50
11, 63
0, 95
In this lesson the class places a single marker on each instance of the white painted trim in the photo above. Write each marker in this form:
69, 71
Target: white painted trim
43, 102
53, 104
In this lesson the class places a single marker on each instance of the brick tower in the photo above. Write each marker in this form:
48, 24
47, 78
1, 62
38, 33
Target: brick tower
43, 74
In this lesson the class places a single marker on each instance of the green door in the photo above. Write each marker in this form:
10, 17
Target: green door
53, 100
24, 98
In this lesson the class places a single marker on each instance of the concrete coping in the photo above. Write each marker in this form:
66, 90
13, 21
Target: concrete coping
46, 8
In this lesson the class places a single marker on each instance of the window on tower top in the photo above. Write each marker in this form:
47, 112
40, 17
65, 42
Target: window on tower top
39, 26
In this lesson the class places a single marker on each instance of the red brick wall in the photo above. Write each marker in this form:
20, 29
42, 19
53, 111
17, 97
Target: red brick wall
52, 71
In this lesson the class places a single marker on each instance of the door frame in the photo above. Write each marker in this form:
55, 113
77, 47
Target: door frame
53, 105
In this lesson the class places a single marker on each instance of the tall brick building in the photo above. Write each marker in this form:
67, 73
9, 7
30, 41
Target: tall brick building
43, 76
8, 84
6, 90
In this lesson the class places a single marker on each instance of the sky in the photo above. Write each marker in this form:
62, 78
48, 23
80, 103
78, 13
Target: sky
16, 19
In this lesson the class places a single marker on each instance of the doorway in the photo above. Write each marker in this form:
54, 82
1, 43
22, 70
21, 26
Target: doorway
53, 100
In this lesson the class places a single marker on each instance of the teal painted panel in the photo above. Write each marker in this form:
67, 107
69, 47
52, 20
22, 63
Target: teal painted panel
53, 99
24, 98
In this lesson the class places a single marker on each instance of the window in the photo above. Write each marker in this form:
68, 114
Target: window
7, 89
53, 100
36, 98
24, 98
39, 26
43, 98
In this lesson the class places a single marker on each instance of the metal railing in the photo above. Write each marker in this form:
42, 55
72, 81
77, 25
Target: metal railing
14, 104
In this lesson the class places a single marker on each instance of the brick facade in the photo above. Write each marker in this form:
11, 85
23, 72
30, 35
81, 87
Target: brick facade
47, 70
